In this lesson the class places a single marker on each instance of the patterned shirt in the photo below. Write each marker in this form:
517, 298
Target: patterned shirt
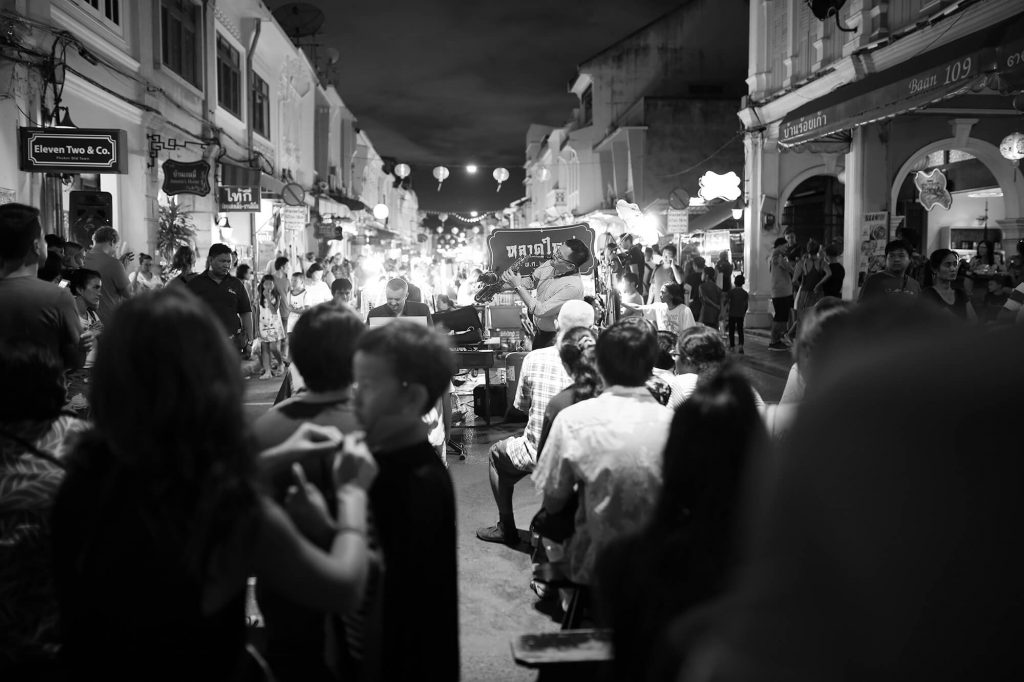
540, 379
28, 486
612, 447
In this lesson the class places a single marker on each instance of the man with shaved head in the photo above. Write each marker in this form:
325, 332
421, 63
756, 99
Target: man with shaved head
511, 459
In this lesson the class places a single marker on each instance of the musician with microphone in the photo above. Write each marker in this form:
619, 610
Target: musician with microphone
554, 282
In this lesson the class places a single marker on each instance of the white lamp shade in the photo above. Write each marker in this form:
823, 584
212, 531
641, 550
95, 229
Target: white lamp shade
381, 212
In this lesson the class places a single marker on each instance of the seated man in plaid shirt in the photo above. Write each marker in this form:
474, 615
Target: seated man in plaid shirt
512, 459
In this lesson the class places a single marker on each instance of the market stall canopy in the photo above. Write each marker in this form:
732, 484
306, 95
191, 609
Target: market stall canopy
715, 215
964, 65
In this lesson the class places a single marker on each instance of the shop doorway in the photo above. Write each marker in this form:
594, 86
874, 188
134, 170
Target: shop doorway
976, 206
814, 210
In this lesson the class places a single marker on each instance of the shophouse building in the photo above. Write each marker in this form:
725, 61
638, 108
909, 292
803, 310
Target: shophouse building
211, 106
655, 113
845, 113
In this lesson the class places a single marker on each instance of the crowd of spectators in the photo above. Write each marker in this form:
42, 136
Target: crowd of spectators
858, 528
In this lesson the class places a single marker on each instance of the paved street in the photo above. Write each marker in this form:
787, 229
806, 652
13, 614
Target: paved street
496, 602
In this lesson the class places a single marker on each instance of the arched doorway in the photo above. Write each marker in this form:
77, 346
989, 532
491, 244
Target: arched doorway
814, 210
977, 203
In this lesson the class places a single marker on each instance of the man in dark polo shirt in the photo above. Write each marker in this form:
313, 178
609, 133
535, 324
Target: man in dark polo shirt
225, 295
398, 303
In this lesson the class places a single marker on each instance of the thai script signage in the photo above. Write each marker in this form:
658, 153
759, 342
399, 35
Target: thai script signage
901, 94
538, 245
244, 199
72, 150
186, 178
294, 217
678, 221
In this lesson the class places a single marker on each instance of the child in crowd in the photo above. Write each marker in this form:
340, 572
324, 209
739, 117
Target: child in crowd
296, 300
341, 290
736, 302
270, 328
401, 370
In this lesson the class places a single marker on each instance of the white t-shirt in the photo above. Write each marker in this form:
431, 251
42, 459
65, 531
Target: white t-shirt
298, 300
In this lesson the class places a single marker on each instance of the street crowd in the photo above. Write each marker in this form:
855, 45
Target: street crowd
867, 525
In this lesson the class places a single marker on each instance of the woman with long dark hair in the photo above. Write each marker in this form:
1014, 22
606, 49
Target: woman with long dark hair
183, 263
685, 555
159, 521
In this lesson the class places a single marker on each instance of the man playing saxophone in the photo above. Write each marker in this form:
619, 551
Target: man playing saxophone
554, 282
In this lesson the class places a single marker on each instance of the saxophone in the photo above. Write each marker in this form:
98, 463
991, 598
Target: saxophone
492, 282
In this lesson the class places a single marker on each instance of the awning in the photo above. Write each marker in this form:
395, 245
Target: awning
952, 69
715, 215
270, 185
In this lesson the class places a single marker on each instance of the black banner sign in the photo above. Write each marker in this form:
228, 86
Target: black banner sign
72, 150
538, 245
186, 178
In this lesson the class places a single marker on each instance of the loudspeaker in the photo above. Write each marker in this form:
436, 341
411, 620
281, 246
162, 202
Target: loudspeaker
498, 402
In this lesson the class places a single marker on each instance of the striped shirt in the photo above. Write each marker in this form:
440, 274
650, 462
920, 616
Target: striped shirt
540, 379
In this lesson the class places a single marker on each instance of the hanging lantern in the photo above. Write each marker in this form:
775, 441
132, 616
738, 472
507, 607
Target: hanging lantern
442, 216
381, 212
1012, 147
455, 230
402, 171
476, 230
501, 175
440, 229
543, 174
440, 174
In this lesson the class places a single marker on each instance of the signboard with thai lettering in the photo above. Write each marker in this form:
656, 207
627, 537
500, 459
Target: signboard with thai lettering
180, 177
72, 150
678, 221
538, 245
294, 217
240, 199
887, 98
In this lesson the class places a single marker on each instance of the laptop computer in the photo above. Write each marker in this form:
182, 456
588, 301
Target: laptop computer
381, 321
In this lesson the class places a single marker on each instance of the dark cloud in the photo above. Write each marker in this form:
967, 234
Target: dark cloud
454, 81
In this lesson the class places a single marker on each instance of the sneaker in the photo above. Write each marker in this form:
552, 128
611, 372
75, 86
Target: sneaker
740, 351
497, 533
778, 345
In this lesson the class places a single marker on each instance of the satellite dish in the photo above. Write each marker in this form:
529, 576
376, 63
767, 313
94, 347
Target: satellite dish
299, 19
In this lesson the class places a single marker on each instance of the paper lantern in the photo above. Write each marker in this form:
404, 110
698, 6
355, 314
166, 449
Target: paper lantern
440, 174
1012, 147
501, 175
402, 170
381, 212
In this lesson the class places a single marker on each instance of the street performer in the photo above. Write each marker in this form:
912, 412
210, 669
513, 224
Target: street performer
554, 282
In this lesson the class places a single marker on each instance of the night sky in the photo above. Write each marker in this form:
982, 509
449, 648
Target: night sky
454, 82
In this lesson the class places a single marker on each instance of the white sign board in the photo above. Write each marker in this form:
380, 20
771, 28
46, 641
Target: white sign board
678, 221
294, 217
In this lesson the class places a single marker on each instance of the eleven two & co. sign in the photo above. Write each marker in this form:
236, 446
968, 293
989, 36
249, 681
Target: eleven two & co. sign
72, 150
